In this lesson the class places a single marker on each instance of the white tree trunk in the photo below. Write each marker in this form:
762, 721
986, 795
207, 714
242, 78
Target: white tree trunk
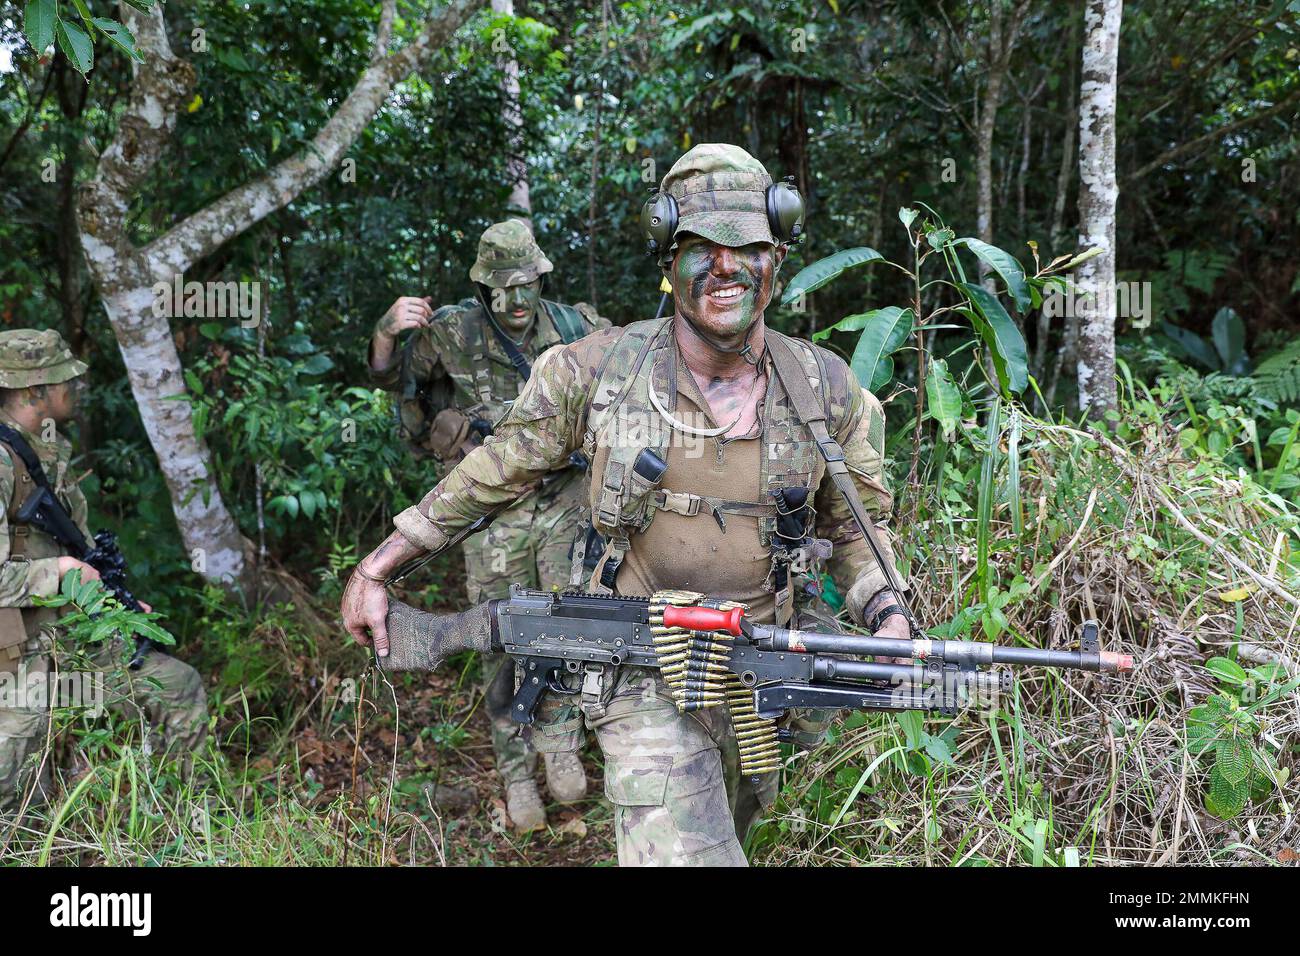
519, 201
1098, 193
125, 274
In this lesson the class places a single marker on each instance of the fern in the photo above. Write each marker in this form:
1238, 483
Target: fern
1278, 376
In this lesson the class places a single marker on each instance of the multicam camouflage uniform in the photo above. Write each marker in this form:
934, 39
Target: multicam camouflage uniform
455, 372
672, 777
166, 692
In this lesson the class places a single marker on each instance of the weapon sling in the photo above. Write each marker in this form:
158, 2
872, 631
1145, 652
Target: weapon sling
813, 413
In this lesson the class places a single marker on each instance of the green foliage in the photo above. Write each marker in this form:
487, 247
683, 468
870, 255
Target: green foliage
1278, 375
44, 23
1227, 731
95, 616
884, 332
813, 277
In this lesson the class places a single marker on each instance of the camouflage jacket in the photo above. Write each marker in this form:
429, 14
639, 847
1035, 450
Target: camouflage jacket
551, 419
456, 362
29, 559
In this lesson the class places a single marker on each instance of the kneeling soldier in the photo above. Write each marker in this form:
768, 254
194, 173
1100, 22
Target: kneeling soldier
39, 385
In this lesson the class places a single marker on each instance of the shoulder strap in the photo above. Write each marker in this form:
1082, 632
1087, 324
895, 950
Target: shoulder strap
18, 444
813, 413
516, 357
566, 319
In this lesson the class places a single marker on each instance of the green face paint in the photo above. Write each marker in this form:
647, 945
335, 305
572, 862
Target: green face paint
514, 306
723, 290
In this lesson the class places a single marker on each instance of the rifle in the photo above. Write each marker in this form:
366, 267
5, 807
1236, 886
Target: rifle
710, 654
44, 511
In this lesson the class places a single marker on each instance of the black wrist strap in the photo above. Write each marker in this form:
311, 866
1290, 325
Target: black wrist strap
884, 614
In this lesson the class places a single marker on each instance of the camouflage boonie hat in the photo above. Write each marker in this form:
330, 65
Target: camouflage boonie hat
508, 255
721, 194
31, 357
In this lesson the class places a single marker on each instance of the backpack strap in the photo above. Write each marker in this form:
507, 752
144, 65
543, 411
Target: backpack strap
812, 411
567, 320
24, 461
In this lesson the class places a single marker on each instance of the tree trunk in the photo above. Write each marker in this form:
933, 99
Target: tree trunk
126, 274
519, 204
1098, 192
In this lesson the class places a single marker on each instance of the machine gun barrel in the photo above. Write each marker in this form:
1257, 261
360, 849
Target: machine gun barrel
964, 653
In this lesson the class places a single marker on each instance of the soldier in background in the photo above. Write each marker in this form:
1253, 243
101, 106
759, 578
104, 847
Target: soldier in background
456, 377
40, 381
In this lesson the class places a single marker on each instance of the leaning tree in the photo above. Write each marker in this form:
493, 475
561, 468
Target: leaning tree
125, 273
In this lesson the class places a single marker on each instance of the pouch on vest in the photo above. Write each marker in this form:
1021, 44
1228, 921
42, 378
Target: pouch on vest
12, 638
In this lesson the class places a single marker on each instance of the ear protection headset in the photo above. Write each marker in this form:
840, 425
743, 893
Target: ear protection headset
784, 216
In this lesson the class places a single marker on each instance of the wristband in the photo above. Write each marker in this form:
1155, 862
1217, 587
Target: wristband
361, 572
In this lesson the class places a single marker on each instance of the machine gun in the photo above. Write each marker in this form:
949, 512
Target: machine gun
43, 511
711, 655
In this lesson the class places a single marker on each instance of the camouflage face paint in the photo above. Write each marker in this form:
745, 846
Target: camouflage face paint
723, 290
514, 306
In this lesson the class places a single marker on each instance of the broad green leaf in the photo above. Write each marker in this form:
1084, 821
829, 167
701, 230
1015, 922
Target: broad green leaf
76, 45
1225, 669
1229, 335
944, 398
823, 271
1192, 345
1006, 266
119, 36
1233, 760
39, 18
317, 364
911, 722
850, 323
883, 333
148, 629
1003, 338
907, 216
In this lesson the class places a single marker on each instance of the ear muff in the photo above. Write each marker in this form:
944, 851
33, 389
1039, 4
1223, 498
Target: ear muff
785, 211
784, 216
659, 222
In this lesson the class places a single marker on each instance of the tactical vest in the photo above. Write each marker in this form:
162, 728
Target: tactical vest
622, 420
17, 625
565, 319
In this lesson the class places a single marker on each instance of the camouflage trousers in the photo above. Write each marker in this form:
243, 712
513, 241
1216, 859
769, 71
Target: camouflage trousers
166, 695
529, 544
674, 779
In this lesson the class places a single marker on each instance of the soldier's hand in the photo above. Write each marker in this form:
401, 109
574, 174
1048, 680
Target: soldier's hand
408, 312
68, 564
365, 612
894, 626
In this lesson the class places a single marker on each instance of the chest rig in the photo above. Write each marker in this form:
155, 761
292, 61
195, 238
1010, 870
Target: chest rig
557, 323
633, 486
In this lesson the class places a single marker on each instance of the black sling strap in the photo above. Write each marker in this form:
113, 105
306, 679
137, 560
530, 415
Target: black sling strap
18, 444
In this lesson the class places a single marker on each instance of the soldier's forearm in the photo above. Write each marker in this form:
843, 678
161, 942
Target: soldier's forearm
395, 551
381, 351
